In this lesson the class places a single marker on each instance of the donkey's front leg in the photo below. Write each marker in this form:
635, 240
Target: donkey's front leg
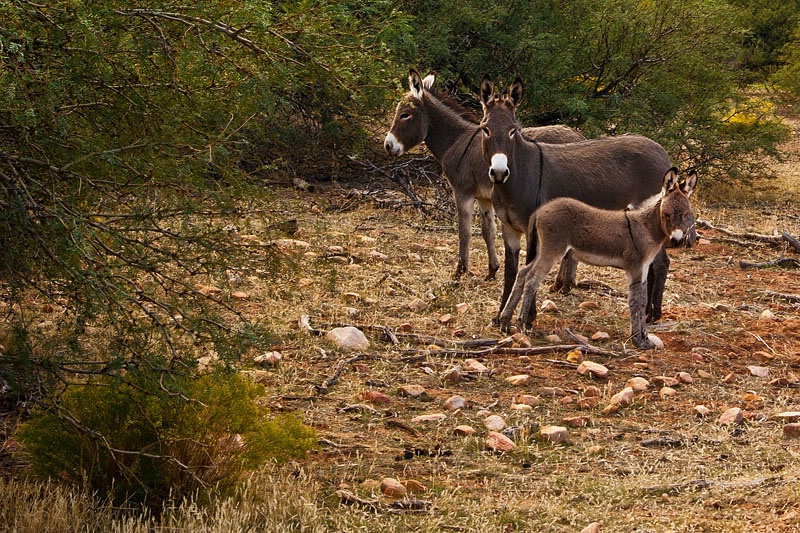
465, 206
656, 281
489, 232
637, 301
511, 242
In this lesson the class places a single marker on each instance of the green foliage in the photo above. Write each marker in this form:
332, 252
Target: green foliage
149, 438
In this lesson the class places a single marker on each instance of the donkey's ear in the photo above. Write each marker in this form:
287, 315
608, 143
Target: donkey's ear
515, 92
428, 81
688, 185
487, 90
671, 179
415, 83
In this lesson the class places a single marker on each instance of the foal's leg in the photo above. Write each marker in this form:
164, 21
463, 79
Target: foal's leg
465, 207
567, 277
656, 280
541, 267
489, 232
513, 298
637, 301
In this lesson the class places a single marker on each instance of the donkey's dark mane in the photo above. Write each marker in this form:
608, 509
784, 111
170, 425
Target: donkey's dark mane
460, 109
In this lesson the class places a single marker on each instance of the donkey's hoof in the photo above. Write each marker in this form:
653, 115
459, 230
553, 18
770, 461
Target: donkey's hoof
524, 326
505, 325
491, 275
644, 344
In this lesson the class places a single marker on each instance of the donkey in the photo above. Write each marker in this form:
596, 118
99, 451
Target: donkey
609, 173
449, 131
626, 239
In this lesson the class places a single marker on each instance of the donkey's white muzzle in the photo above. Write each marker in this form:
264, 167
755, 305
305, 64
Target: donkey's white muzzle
393, 146
498, 170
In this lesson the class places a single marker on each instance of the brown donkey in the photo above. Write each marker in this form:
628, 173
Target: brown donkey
627, 239
449, 130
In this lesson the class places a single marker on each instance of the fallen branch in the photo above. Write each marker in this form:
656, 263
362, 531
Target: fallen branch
698, 484
772, 239
794, 243
783, 296
785, 262
331, 381
506, 350
402, 425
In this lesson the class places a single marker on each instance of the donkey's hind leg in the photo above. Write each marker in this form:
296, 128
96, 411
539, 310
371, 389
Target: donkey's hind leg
656, 280
567, 277
527, 313
489, 233
465, 208
513, 297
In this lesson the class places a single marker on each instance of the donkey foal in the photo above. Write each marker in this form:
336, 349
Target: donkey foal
628, 240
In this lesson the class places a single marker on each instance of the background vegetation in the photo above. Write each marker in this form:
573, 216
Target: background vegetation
131, 133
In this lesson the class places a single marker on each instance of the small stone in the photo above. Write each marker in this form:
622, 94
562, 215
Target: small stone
638, 384
462, 308
787, 416
575, 356
592, 392
600, 336
268, 359
378, 256
594, 369
734, 415
412, 391
622, 398
494, 423
588, 403
576, 421
763, 356
548, 306
528, 399
521, 340
464, 430
520, 407
519, 380
351, 297
729, 378
766, 316
453, 375
588, 305
472, 365
446, 319
433, 417
702, 374
684, 377
665, 381
412, 485
724, 308
551, 392
414, 257
553, 339
583, 339
659, 344
405, 327
483, 413
393, 488
417, 305
594, 527
374, 397
667, 392
792, 430
759, 371
499, 443
554, 434
238, 295
702, 410
453, 403
348, 338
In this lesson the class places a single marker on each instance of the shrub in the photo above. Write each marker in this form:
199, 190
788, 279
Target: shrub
149, 438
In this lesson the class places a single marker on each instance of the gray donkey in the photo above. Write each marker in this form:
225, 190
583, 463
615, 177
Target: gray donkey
626, 239
449, 130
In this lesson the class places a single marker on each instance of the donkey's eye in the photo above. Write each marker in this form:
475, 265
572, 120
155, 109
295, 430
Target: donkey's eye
405, 116
512, 132
486, 132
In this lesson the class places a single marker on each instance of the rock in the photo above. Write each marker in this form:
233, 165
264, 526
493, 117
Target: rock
528, 399
638, 384
374, 397
766, 316
575, 356
499, 443
759, 371
551, 392
375, 255
594, 369
592, 392
519, 380
702, 374
576, 421
446, 319
729, 378
462, 308
588, 403
594, 527
588, 305
659, 344
405, 327
433, 417
412, 391
792, 430
732, 416
548, 306
417, 304
393, 488
453, 375
494, 423
472, 365
601, 336
351, 297
414, 257
350, 311
702, 410
464, 430
521, 407
348, 338
665, 381
554, 434
667, 392
521, 340
238, 295
623, 398
268, 359
412, 485
763, 356
553, 339
749, 397
684, 377
787, 416
453, 403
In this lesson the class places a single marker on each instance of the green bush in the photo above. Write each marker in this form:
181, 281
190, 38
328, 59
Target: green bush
152, 438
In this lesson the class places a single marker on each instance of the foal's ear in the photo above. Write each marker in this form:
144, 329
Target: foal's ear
515, 92
415, 83
688, 185
487, 90
671, 179
428, 81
